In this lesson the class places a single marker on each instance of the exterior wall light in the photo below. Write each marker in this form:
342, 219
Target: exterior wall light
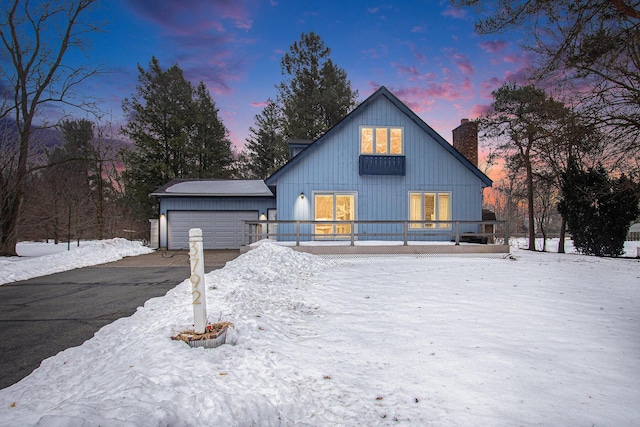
302, 195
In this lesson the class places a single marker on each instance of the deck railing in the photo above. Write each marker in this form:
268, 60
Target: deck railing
456, 231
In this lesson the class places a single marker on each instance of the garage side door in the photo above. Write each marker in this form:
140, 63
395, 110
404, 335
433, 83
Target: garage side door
220, 229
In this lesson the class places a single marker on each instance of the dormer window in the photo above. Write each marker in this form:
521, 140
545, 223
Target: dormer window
381, 140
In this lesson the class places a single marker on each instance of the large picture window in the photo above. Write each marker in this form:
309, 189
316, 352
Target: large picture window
430, 206
381, 140
334, 207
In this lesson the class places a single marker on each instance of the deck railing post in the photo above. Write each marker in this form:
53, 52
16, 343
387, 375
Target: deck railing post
506, 233
297, 233
352, 230
406, 233
457, 233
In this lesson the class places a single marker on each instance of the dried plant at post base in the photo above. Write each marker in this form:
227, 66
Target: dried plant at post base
212, 332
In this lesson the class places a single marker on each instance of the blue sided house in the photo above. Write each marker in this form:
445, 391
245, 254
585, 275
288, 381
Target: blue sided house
377, 168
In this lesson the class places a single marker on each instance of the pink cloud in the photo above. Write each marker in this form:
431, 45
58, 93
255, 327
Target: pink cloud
423, 98
467, 85
463, 63
419, 56
411, 71
489, 86
207, 35
520, 76
417, 29
427, 95
480, 110
512, 58
493, 46
261, 104
186, 17
376, 52
454, 12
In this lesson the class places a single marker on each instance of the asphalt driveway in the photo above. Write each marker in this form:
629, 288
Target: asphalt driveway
42, 316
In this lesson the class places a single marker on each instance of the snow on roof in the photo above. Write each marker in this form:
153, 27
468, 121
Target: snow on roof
217, 188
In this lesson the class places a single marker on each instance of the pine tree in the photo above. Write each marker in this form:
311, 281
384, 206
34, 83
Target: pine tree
266, 149
523, 120
176, 133
213, 154
317, 94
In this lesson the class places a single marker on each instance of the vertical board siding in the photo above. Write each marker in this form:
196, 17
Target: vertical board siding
333, 166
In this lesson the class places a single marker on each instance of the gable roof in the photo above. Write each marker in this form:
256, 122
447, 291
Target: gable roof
214, 187
381, 92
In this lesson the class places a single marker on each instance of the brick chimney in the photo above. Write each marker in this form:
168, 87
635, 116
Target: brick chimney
465, 140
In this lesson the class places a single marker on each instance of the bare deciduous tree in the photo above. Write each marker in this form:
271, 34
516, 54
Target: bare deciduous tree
35, 37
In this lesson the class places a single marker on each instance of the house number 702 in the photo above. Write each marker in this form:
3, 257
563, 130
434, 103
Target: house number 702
194, 278
198, 279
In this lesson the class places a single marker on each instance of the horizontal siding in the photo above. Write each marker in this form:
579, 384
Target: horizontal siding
261, 204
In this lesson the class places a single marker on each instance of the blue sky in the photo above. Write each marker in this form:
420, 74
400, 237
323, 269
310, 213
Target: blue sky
425, 52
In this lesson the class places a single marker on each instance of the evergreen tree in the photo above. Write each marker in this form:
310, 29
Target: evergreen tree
176, 133
314, 97
523, 120
598, 209
266, 149
213, 154
317, 94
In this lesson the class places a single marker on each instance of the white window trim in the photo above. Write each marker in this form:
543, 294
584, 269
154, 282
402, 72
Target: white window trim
436, 208
388, 153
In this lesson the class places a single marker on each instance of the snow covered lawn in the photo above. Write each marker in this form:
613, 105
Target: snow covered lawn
540, 339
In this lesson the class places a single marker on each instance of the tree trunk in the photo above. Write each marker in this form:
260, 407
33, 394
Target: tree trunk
532, 223
563, 231
9, 238
100, 203
9, 231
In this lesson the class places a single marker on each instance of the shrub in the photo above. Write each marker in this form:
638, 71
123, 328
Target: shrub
598, 209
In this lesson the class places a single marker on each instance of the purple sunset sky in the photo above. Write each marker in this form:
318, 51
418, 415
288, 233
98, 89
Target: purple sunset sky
425, 52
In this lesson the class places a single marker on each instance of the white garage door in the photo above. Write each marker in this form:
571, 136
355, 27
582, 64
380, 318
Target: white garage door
220, 229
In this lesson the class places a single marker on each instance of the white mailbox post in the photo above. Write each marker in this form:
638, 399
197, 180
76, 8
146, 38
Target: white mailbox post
196, 256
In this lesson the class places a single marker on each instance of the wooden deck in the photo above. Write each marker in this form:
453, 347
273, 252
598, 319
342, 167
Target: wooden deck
430, 238
390, 249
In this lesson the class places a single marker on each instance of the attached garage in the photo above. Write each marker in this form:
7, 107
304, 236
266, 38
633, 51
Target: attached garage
218, 207
220, 229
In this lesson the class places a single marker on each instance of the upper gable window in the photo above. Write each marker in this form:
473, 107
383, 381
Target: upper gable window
381, 140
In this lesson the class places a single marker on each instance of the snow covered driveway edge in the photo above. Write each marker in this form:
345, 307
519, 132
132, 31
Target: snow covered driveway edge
98, 252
